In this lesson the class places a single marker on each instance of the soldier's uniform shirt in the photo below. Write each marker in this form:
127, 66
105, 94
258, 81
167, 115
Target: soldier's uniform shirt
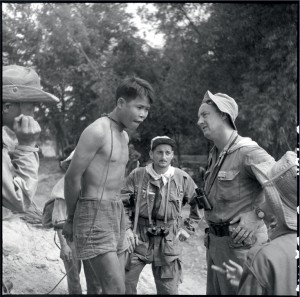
19, 175
235, 190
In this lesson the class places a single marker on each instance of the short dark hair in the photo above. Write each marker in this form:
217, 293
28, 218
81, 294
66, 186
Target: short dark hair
132, 87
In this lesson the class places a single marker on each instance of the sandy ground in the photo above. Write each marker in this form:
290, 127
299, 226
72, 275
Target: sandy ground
31, 258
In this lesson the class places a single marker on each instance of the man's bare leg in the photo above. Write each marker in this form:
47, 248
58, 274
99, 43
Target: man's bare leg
93, 284
109, 271
122, 260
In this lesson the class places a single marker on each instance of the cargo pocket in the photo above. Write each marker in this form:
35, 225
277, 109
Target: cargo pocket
171, 247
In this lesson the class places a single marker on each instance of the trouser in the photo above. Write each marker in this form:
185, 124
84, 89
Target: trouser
164, 285
219, 251
73, 268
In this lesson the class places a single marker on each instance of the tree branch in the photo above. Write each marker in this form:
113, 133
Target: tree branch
181, 8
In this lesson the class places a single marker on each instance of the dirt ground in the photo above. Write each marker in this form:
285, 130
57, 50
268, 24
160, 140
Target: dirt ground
31, 258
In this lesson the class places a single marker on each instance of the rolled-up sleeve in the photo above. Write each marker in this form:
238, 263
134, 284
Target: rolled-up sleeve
19, 179
255, 156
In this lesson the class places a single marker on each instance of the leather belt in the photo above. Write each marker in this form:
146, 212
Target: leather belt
220, 230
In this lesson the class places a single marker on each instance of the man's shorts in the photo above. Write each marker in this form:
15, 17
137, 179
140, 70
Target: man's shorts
99, 231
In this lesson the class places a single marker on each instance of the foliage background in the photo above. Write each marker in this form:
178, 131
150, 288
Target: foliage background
83, 50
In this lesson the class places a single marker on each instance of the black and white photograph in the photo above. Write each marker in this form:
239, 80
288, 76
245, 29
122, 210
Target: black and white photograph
150, 148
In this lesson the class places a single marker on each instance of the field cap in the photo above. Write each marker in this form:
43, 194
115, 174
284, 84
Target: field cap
162, 140
22, 84
225, 104
279, 180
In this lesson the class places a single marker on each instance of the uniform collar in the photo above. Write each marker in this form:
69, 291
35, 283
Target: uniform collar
170, 172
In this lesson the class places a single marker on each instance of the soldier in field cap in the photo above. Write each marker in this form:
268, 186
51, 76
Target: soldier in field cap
232, 188
157, 226
21, 90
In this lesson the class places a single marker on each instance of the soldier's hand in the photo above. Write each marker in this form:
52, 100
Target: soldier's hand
182, 235
65, 253
248, 224
27, 130
232, 270
67, 231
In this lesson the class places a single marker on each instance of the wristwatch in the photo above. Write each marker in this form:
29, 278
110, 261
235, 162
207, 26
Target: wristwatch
259, 213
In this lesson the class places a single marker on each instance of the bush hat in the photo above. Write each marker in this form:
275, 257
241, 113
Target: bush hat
279, 180
162, 140
22, 84
225, 104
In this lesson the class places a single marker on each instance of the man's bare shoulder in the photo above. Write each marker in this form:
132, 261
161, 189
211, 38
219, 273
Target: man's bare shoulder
99, 127
93, 136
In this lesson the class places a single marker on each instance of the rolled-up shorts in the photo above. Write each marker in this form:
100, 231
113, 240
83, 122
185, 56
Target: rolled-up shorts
99, 227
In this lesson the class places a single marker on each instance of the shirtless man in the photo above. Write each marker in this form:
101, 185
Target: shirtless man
93, 183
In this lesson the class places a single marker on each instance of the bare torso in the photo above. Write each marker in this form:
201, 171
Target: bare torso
93, 179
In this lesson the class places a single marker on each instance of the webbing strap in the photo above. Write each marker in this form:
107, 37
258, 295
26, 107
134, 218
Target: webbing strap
167, 200
148, 205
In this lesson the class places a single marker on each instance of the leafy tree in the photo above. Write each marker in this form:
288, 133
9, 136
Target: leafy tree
78, 50
248, 51
83, 50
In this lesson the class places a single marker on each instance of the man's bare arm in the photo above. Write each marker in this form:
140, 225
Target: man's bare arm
89, 143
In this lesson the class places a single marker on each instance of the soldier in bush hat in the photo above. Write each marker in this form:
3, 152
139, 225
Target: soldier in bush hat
21, 90
232, 190
271, 269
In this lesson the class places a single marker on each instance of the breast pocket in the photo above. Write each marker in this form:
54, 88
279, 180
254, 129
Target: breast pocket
228, 182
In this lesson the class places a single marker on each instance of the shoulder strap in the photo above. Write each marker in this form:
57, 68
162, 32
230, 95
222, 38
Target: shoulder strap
167, 200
